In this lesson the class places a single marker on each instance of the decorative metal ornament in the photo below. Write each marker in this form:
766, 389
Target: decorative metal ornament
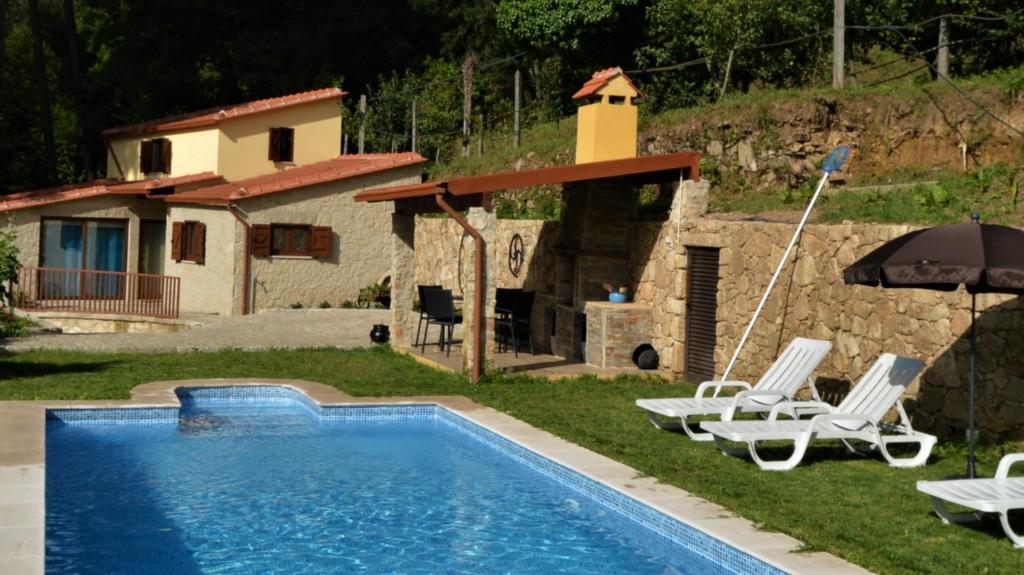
516, 255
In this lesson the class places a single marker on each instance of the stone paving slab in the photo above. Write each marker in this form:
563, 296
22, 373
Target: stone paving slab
340, 328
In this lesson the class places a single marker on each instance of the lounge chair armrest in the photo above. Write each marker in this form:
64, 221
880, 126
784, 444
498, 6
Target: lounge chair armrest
1006, 463
835, 416
718, 385
750, 393
795, 407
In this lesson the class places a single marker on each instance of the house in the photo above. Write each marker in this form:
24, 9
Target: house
228, 210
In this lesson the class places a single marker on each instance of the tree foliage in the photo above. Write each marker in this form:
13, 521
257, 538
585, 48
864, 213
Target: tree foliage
81, 66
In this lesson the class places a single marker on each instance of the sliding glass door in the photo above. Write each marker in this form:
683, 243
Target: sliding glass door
83, 244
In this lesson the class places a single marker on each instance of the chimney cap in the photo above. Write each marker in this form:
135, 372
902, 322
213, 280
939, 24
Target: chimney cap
600, 79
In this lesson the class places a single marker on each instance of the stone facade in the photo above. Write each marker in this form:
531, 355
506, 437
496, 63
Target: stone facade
359, 255
810, 299
215, 286
27, 222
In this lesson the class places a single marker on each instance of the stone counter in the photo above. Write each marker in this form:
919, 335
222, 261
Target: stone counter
614, 330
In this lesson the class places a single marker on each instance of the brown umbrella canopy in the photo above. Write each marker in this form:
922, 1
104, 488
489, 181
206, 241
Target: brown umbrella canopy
985, 258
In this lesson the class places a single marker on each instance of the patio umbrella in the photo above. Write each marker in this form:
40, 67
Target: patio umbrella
984, 258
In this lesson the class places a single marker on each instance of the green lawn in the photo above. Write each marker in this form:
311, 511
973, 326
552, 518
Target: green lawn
857, 508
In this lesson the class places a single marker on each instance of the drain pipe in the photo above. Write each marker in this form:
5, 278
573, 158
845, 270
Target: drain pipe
478, 287
235, 211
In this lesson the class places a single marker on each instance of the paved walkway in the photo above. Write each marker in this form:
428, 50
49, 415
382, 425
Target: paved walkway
269, 329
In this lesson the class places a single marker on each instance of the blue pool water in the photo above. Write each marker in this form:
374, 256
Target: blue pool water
272, 485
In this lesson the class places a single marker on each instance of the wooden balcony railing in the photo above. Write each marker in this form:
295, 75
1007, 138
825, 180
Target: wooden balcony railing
94, 291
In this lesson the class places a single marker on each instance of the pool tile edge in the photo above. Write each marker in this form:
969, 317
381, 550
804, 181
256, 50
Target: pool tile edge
27, 448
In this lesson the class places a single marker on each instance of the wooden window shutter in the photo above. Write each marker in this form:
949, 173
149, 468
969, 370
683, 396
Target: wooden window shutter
199, 243
176, 228
287, 153
275, 145
323, 241
261, 240
146, 157
165, 155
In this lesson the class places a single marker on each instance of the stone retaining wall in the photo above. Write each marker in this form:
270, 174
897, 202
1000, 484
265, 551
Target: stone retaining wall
811, 300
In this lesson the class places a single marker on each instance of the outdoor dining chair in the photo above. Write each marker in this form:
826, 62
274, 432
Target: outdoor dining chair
514, 324
440, 311
423, 310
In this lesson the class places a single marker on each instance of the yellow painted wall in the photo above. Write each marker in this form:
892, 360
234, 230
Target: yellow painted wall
606, 131
191, 153
244, 142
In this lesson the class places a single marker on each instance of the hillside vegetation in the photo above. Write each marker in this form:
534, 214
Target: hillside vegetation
923, 153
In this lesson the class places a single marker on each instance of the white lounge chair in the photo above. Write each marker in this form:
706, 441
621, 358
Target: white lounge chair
782, 380
999, 495
858, 417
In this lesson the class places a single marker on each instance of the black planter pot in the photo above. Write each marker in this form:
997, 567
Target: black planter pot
380, 333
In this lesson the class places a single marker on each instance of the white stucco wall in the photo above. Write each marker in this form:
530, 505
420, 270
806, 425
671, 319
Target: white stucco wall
360, 254
213, 286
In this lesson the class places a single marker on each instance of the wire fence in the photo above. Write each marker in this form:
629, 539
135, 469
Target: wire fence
388, 124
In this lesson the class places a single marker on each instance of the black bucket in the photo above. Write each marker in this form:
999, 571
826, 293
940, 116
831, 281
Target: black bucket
645, 357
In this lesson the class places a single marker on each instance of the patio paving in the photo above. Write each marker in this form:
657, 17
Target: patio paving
340, 328
539, 364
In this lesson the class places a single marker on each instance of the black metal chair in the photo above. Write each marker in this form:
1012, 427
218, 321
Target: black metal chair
440, 310
516, 324
423, 311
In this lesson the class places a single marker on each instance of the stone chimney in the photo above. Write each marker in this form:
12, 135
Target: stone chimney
606, 123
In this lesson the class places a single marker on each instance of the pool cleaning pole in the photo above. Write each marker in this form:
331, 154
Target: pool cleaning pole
833, 162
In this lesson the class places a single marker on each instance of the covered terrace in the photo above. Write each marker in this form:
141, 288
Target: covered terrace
592, 249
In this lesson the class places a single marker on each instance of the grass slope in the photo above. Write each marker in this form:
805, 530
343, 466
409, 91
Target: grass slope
855, 507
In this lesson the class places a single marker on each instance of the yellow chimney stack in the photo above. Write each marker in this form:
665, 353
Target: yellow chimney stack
606, 128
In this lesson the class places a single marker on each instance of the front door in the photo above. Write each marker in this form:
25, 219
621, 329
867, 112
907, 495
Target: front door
152, 239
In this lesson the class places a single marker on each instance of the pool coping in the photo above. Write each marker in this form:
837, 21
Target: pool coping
23, 477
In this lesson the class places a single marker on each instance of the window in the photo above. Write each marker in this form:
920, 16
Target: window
282, 144
188, 242
156, 156
82, 244
292, 240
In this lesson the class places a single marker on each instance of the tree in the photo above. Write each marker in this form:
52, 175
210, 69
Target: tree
8, 264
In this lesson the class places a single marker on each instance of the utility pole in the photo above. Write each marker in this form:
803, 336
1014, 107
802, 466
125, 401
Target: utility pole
838, 43
467, 99
942, 57
519, 105
414, 124
362, 123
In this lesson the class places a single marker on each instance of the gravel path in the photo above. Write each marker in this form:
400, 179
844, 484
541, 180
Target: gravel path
269, 329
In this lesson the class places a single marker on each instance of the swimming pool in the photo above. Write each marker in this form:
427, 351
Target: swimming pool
261, 479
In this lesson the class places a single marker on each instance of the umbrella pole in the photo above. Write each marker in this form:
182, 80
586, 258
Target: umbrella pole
775, 276
970, 403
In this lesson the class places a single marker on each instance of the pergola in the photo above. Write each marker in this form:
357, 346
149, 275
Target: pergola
472, 193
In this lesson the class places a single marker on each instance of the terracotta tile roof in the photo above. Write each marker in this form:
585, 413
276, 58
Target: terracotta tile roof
53, 195
212, 116
94, 189
339, 168
143, 186
598, 81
